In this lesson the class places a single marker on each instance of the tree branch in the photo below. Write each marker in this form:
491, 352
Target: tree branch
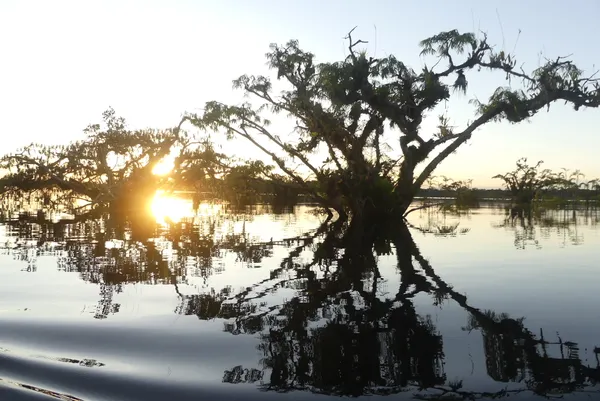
285, 147
460, 139
351, 44
243, 133
427, 206
527, 109
54, 179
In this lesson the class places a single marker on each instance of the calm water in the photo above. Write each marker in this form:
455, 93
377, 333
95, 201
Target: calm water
263, 305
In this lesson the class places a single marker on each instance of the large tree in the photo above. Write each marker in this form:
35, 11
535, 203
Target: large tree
111, 165
115, 166
344, 108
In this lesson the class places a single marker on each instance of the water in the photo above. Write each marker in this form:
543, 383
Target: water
236, 306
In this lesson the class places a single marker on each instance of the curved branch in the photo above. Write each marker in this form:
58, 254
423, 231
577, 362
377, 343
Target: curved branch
243, 133
529, 108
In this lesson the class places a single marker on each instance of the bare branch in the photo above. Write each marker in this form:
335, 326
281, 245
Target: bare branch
426, 206
352, 44
460, 139
280, 163
287, 148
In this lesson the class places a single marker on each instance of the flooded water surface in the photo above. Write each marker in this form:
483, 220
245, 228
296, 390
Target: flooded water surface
282, 304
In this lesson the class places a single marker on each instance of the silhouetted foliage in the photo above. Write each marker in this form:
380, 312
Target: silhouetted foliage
343, 109
530, 186
112, 165
526, 183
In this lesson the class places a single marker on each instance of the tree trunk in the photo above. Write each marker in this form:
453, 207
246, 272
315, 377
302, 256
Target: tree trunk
405, 189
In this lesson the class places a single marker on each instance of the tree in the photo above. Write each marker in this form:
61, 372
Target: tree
526, 182
241, 182
112, 165
344, 108
570, 183
199, 166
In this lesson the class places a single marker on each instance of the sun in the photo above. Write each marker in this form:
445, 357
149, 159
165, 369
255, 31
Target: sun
164, 166
167, 207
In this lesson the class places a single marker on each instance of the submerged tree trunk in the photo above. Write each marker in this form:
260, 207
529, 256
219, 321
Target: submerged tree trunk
405, 188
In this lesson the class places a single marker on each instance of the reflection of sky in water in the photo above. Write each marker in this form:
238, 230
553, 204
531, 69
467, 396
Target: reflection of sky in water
552, 283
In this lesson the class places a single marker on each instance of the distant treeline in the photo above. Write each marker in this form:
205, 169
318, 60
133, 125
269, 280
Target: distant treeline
269, 191
479, 193
578, 194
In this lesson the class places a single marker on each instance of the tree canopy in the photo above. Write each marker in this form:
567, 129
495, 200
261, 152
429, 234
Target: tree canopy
344, 108
341, 109
527, 183
111, 164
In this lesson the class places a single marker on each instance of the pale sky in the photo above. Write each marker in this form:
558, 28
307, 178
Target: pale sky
64, 62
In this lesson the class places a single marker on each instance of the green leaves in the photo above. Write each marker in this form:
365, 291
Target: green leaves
444, 127
443, 42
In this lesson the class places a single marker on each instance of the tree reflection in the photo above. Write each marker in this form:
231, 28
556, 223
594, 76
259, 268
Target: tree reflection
514, 354
339, 336
112, 252
530, 226
342, 332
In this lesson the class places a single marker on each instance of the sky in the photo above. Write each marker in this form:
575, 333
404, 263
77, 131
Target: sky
64, 62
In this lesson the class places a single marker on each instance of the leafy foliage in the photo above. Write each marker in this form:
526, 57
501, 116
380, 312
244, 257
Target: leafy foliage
344, 108
527, 182
111, 163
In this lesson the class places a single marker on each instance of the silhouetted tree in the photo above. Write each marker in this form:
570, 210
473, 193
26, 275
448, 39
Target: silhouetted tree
111, 166
344, 108
526, 183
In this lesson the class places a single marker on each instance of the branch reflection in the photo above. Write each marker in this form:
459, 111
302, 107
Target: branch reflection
342, 332
530, 226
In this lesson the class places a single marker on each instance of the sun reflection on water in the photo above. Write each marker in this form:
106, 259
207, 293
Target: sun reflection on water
166, 207
173, 208
209, 209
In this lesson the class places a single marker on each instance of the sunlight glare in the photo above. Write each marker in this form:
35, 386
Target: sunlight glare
169, 207
164, 167
209, 209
